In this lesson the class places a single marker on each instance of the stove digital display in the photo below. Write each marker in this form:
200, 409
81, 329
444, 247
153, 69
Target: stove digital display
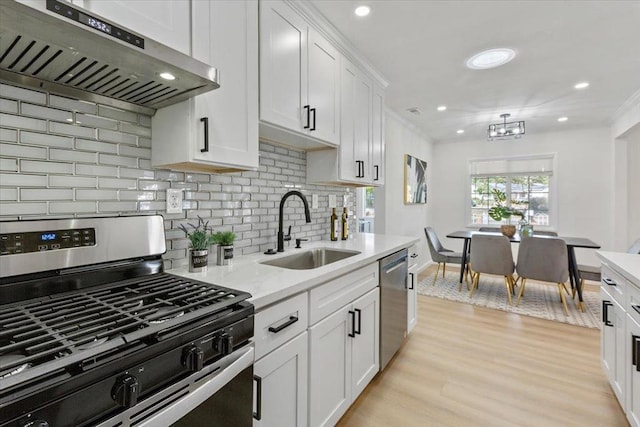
45, 237
94, 23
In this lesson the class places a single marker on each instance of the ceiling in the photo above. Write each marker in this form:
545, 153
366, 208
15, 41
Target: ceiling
421, 48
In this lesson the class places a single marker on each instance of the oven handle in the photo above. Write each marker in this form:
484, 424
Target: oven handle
230, 367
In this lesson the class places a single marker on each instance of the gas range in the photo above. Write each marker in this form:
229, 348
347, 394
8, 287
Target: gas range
100, 338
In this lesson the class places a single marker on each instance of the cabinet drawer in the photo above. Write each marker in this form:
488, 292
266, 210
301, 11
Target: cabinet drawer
632, 306
614, 283
329, 297
279, 323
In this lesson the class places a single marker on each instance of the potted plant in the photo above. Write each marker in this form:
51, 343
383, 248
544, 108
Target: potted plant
200, 239
500, 212
224, 240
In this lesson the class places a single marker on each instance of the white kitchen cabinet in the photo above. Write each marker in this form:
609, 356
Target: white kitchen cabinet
613, 344
280, 381
165, 21
343, 358
216, 131
299, 80
412, 290
633, 366
359, 160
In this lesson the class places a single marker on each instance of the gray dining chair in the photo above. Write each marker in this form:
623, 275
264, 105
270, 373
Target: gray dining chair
440, 254
590, 272
545, 260
492, 255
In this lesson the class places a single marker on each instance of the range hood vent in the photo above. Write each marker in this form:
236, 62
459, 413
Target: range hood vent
49, 45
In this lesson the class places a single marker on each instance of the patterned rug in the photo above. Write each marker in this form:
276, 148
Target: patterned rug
539, 300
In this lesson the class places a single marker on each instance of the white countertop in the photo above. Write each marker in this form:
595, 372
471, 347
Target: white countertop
626, 264
268, 284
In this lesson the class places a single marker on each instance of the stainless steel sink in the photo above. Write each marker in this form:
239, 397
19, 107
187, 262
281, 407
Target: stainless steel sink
310, 259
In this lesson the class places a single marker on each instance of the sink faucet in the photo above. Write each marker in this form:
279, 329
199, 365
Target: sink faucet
307, 215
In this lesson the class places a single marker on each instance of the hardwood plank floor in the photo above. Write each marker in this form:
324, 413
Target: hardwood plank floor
471, 366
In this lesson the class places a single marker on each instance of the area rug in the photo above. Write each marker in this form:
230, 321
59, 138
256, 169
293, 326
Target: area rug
539, 299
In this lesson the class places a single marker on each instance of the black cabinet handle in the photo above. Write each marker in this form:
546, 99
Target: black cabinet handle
314, 119
636, 308
609, 282
291, 321
377, 171
414, 255
605, 313
360, 164
634, 350
258, 414
637, 350
353, 324
306, 107
412, 279
205, 120
357, 310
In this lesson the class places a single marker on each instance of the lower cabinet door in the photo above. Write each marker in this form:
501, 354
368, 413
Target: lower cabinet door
330, 367
365, 346
412, 297
280, 386
633, 366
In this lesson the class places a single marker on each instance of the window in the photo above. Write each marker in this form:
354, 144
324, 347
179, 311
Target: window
365, 209
527, 183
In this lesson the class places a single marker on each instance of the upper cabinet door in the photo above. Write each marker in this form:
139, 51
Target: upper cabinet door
165, 21
324, 89
226, 36
349, 169
362, 127
377, 137
283, 67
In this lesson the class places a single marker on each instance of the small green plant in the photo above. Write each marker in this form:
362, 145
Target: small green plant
201, 237
224, 238
500, 211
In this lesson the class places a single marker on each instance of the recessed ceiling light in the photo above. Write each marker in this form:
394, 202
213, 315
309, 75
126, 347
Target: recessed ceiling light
491, 58
563, 119
460, 131
582, 85
167, 76
442, 108
362, 10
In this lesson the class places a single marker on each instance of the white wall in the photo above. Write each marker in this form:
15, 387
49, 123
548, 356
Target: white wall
633, 186
585, 163
393, 216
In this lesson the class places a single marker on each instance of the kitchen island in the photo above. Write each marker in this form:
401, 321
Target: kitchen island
317, 331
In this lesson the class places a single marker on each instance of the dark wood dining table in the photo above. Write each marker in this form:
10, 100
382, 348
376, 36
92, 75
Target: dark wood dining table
572, 243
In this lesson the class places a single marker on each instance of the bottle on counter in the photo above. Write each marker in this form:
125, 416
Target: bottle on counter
334, 225
345, 224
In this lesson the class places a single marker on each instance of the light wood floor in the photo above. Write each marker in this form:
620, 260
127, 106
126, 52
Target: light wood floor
471, 366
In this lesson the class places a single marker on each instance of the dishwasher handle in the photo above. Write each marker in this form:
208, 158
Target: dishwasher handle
388, 268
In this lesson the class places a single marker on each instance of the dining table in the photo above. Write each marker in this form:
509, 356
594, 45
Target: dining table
572, 243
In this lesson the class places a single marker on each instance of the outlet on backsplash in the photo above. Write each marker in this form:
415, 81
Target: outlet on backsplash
174, 200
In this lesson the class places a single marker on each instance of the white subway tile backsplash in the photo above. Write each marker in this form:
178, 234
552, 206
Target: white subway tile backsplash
45, 167
8, 194
22, 180
114, 136
100, 147
96, 170
72, 181
72, 104
151, 206
9, 165
72, 156
8, 91
25, 151
45, 112
137, 173
153, 185
144, 164
19, 122
144, 142
109, 159
97, 122
73, 130
127, 150
117, 206
144, 120
45, 194
117, 114
72, 207
19, 209
142, 131
44, 139
137, 195
128, 184
96, 194
8, 105
9, 135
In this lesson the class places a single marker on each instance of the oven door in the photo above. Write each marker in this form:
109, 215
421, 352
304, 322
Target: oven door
221, 394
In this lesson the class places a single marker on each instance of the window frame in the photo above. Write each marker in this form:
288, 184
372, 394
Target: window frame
553, 185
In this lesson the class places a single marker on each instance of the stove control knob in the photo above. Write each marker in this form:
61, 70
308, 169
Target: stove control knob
224, 344
193, 358
125, 391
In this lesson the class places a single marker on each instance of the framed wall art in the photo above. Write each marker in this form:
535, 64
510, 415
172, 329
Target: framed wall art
415, 180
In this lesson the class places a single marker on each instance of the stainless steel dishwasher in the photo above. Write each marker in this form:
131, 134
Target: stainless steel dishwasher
393, 304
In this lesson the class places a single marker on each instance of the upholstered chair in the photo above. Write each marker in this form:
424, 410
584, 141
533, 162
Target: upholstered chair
439, 253
546, 260
491, 255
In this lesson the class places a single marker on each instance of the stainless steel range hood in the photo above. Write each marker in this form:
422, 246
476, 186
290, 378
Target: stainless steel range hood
59, 47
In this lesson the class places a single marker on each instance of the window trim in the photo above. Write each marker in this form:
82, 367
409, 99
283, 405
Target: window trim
553, 186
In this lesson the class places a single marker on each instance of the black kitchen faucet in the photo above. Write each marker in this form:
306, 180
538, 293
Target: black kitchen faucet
307, 215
